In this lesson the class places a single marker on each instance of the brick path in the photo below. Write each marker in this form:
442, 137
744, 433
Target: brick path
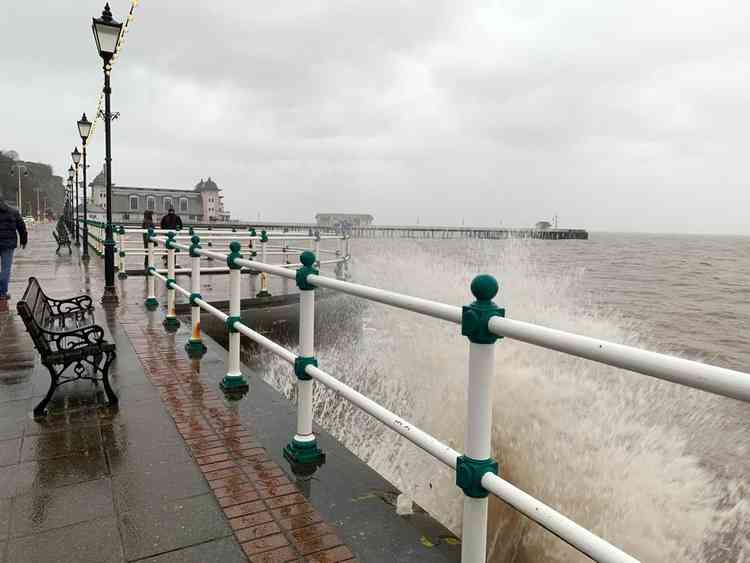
270, 518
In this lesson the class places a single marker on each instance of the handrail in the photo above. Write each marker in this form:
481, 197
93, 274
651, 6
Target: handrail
482, 322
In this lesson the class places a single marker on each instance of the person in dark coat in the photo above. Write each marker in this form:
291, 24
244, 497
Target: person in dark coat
171, 221
10, 224
148, 223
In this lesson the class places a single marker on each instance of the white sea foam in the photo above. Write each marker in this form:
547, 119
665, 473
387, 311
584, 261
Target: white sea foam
602, 446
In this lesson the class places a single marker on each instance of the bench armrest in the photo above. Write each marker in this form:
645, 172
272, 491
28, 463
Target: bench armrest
63, 341
72, 305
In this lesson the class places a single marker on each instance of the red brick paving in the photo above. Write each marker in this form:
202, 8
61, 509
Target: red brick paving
272, 522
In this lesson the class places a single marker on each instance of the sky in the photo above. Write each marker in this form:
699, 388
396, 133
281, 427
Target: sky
614, 115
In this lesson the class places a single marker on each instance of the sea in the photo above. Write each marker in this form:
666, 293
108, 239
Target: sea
659, 470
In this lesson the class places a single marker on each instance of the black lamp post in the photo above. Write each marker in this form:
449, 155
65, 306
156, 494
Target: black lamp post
71, 174
76, 159
106, 33
84, 129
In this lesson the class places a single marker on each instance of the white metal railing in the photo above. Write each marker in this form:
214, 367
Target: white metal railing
129, 244
482, 322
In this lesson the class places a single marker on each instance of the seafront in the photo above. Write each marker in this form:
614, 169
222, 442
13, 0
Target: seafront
177, 472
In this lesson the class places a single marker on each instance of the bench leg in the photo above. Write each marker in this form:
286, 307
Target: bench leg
111, 397
41, 408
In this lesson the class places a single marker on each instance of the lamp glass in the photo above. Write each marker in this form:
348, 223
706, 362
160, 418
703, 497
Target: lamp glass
84, 127
106, 35
71, 173
76, 156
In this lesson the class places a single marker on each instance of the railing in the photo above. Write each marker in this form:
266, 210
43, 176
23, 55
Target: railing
129, 243
481, 321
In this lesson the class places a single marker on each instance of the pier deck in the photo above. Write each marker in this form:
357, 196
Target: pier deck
177, 473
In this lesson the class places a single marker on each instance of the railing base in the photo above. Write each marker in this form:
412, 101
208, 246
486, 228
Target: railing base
263, 293
122, 275
304, 453
109, 298
171, 324
195, 348
151, 304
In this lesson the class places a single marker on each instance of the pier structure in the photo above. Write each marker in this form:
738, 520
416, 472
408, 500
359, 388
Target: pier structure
396, 231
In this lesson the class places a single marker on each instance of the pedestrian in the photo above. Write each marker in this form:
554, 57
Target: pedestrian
171, 221
10, 224
148, 223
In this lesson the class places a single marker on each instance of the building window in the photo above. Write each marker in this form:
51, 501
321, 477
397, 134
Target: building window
151, 203
168, 203
133, 203
183, 204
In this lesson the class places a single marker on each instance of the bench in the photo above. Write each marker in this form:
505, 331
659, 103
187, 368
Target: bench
65, 335
62, 239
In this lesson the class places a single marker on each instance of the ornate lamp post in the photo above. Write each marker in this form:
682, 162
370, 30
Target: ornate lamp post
84, 129
15, 169
76, 159
71, 174
106, 33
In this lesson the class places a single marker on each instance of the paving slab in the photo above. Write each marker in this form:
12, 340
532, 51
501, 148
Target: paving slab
41, 510
158, 529
95, 541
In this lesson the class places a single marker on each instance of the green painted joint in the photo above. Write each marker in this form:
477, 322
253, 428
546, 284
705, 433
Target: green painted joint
195, 239
151, 304
234, 384
469, 473
475, 318
122, 275
171, 282
193, 297
263, 236
150, 271
300, 363
120, 230
253, 233
171, 324
263, 293
308, 260
122, 254
191, 231
234, 254
195, 348
151, 234
304, 453
170, 240
230, 323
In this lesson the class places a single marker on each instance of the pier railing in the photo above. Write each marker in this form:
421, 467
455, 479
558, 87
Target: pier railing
481, 321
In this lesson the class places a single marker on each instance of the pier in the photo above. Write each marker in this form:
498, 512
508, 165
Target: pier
407, 231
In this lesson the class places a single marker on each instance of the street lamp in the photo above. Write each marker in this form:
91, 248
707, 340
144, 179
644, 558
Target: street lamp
84, 129
71, 174
106, 33
15, 169
76, 159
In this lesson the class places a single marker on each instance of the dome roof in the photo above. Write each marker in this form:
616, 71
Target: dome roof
206, 186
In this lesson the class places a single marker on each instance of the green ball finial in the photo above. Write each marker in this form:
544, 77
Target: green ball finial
170, 234
235, 246
307, 258
195, 239
484, 287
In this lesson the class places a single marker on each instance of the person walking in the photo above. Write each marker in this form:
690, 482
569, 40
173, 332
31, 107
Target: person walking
10, 224
148, 223
171, 221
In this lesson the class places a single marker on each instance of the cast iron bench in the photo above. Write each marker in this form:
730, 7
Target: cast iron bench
65, 335
62, 239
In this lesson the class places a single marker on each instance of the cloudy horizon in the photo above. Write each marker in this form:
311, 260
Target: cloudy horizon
615, 116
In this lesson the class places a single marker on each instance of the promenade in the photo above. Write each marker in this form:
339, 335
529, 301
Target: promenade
176, 473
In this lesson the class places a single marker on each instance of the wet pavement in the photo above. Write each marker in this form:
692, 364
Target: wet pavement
176, 472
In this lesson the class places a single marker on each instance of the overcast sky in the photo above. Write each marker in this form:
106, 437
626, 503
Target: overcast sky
620, 116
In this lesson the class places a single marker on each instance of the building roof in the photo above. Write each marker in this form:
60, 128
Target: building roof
206, 186
146, 191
